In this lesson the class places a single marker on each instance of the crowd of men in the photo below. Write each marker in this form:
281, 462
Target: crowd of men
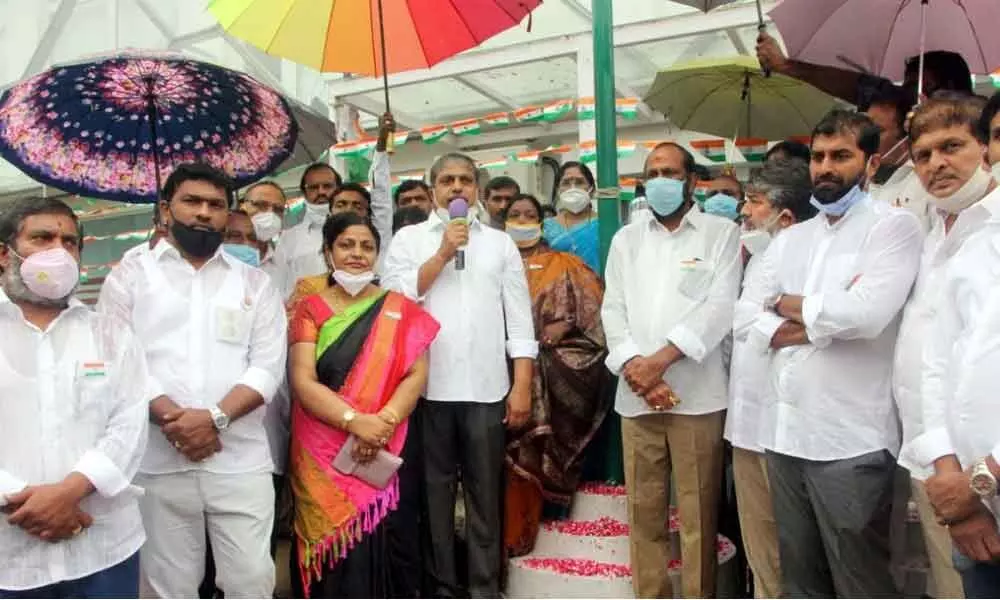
859, 297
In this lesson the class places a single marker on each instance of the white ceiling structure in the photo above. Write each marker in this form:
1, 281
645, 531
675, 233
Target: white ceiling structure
516, 68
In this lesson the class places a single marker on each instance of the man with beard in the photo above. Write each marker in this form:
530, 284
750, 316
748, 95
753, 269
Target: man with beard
778, 197
672, 282
834, 286
213, 331
73, 407
470, 278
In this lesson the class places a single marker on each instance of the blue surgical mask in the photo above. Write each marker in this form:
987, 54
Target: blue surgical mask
841, 206
722, 205
243, 253
664, 195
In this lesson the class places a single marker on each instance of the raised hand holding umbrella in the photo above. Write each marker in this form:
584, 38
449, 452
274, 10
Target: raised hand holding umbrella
708, 5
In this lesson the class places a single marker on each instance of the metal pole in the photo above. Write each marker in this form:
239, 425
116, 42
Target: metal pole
608, 203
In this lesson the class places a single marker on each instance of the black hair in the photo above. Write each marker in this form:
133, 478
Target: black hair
357, 188
548, 211
791, 149
444, 159
702, 172
690, 166
336, 225
409, 185
239, 212
411, 215
254, 186
989, 111
787, 185
316, 167
519, 197
899, 99
950, 69
839, 121
573, 164
13, 216
197, 171
948, 110
502, 182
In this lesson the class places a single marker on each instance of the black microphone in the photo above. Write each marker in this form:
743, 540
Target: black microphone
458, 210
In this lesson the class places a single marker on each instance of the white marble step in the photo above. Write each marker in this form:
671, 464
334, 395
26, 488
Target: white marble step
604, 540
594, 501
531, 577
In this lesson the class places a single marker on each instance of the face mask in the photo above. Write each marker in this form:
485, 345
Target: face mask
525, 236
266, 225
199, 243
995, 170
755, 241
665, 195
353, 283
841, 206
972, 191
574, 200
243, 253
722, 205
51, 274
316, 214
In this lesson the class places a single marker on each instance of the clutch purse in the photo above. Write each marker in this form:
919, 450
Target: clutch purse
376, 472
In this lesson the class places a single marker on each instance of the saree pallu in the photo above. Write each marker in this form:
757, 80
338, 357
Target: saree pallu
569, 395
581, 240
362, 353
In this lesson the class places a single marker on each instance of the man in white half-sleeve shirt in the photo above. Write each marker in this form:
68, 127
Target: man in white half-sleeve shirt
948, 159
73, 413
672, 281
959, 445
213, 331
485, 314
777, 198
835, 285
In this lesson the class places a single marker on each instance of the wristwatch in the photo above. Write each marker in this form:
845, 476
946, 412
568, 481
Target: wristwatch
349, 415
982, 481
219, 419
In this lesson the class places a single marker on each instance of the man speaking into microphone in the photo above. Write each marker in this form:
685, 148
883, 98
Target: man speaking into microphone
471, 279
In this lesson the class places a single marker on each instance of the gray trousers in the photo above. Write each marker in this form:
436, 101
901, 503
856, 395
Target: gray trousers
467, 436
833, 522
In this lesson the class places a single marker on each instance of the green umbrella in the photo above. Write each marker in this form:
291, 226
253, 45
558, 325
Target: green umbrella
731, 98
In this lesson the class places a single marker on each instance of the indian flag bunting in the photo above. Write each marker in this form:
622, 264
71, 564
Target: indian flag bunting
586, 108
497, 163
626, 185
466, 127
530, 156
554, 111
555, 149
400, 137
529, 114
753, 149
713, 150
433, 134
353, 148
628, 108
499, 119
411, 177
294, 209
626, 149
138, 235
588, 152
699, 193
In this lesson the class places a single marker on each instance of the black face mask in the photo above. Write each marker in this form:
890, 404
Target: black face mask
199, 243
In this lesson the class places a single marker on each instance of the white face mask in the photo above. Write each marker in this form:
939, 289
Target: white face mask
755, 241
972, 191
995, 170
574, 200
316, 214
266, 225
353, 283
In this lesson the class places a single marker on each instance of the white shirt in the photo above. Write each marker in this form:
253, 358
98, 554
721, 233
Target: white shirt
299, 251
203, 333
918, 318
831, 399
72, 398
960, 379
277, 418
904, 190
748, 370
468, 359
675, 287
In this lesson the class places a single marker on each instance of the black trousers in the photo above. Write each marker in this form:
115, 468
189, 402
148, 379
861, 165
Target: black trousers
833, 525
466, 437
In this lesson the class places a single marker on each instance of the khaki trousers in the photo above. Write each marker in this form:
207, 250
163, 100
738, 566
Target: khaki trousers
690, 447
945, 580
760, 531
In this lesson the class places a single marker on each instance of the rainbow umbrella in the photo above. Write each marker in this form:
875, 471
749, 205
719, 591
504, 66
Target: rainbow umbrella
349, 36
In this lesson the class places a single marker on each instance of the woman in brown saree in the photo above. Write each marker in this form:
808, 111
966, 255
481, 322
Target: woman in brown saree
569, 396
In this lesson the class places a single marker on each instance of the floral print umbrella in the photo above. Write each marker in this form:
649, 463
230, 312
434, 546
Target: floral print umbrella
116, 127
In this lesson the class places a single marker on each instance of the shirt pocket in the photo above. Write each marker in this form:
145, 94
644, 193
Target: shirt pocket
230, 324
696, 279
842, 272
94, 397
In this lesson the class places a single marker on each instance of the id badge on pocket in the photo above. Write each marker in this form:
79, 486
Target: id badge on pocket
231, 325
696, 277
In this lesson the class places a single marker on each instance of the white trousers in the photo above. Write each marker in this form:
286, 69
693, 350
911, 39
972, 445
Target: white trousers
238, 513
